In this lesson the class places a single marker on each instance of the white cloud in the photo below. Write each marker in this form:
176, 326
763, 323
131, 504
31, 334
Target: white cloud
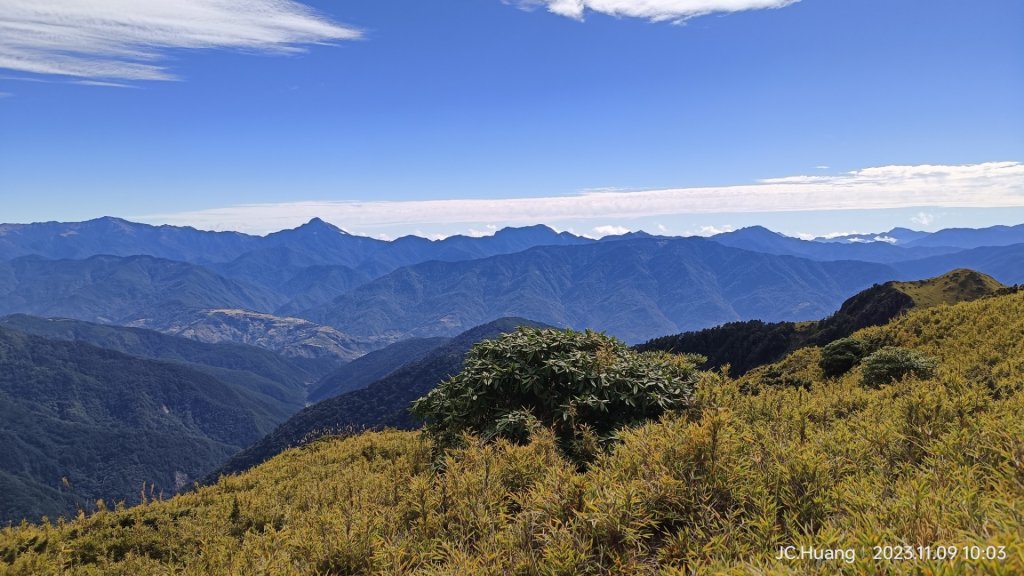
431, 235
710, 230
854, 237
989, 185
488, 230
864, 240
656, 10
830, 235
126, 39
5, 94
923, 219
609, 230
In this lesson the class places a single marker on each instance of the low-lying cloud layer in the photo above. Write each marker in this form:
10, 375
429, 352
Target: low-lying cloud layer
657, 10
988, 185
127, 39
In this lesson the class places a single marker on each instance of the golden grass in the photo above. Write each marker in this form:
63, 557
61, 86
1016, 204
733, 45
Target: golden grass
715, 490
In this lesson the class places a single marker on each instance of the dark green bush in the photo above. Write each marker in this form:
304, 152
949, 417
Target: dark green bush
582, 385
840, 356
893, 363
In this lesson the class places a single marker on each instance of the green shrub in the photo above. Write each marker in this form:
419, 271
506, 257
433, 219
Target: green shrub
840, 356
582, 385
893, 363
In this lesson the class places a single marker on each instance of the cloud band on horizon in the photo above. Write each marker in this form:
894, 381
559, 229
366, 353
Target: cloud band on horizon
126, 39
986, 185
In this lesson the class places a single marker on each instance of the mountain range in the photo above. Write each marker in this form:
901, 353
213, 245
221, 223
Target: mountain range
961, 238
760, 239
634, 289
317, 291
320, 243
314, 243
135, 353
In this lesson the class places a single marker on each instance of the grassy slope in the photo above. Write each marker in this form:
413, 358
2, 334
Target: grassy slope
717, 490
747, 345
957, 286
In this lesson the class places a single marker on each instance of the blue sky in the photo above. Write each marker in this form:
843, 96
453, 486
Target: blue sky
361, 112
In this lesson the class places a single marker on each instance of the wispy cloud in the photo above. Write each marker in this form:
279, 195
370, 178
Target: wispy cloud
923, 219
103, 84
488, 230
127, 39
988, 185
656, 10
5, 94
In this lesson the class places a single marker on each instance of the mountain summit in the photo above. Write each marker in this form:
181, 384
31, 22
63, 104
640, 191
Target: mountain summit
315, 226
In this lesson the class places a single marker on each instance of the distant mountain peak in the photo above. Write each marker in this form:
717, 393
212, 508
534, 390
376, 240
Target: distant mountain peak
318, 226
753, 230
113, 222
317, 223
639, 234
533, 231
536, 232
758, 234
531, 228
110, 219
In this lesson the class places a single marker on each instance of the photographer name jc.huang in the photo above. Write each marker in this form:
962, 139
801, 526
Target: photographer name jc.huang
848, 555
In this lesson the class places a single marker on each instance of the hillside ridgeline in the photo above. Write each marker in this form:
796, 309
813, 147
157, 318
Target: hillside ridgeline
748, 467
746, 345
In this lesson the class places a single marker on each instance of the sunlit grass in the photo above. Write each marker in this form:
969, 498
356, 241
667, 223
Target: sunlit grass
755, 464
